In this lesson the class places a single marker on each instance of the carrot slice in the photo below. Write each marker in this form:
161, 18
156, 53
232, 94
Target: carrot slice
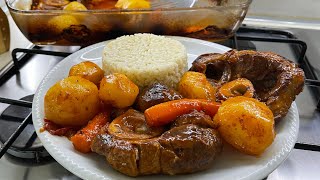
167, 112
83, 138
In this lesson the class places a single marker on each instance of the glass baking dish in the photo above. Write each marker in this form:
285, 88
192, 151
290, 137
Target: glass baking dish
60, 27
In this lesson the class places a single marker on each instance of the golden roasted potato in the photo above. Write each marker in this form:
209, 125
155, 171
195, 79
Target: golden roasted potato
194, 85
75, 6
118, 90
133, 4
87, 70
246, 124
59, 23
72, 101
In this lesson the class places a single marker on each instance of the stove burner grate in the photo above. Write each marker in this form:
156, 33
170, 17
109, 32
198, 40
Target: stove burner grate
27, 145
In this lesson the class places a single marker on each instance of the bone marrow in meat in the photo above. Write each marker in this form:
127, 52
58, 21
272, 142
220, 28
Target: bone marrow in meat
183, 148
276, 80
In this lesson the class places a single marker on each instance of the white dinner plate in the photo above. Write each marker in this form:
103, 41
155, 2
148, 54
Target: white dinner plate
229, 165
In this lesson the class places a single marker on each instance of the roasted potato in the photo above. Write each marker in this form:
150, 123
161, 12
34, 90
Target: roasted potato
75, 6
246, 124
59, 23
118, 90
87, 70
72, 101
132, 4
194, 85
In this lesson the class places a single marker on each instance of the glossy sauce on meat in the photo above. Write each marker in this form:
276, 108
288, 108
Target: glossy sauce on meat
276, 80
155, 94
132, 125
58, 130
195, 117
190, 145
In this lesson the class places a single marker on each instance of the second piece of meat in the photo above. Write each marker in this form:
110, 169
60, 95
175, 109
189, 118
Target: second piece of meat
185, 148
155, 94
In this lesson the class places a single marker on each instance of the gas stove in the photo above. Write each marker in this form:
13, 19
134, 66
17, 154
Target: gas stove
24, 157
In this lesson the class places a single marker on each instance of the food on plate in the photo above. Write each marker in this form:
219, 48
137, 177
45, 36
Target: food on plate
83, 138
87, 70
194, 117
246, 124
276, 80
155, 94
116, 112
167, 112
132, 125
146, 59
58, 130
158, 130
133, 4
73, 101
118, 90
237, 87
182, 149
195, 85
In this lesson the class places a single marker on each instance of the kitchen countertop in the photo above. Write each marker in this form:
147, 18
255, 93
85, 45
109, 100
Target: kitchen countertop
285, 13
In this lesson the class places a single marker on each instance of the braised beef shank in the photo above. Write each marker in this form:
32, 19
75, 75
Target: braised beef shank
276, 80
184, 148
155, 94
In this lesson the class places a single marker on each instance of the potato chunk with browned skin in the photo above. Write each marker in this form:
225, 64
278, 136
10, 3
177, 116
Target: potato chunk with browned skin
72, 101
118, 90
59, 23
194, 85
246, 124
133, 4
75, 6
87, 70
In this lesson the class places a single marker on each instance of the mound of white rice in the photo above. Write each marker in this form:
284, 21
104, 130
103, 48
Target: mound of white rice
146, 58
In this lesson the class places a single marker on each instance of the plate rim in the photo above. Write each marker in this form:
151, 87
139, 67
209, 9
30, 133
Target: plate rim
91, 175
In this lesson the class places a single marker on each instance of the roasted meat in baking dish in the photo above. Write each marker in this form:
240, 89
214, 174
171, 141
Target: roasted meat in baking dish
276, 80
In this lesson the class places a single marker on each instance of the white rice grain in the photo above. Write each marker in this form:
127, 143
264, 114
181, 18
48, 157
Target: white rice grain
146, 58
